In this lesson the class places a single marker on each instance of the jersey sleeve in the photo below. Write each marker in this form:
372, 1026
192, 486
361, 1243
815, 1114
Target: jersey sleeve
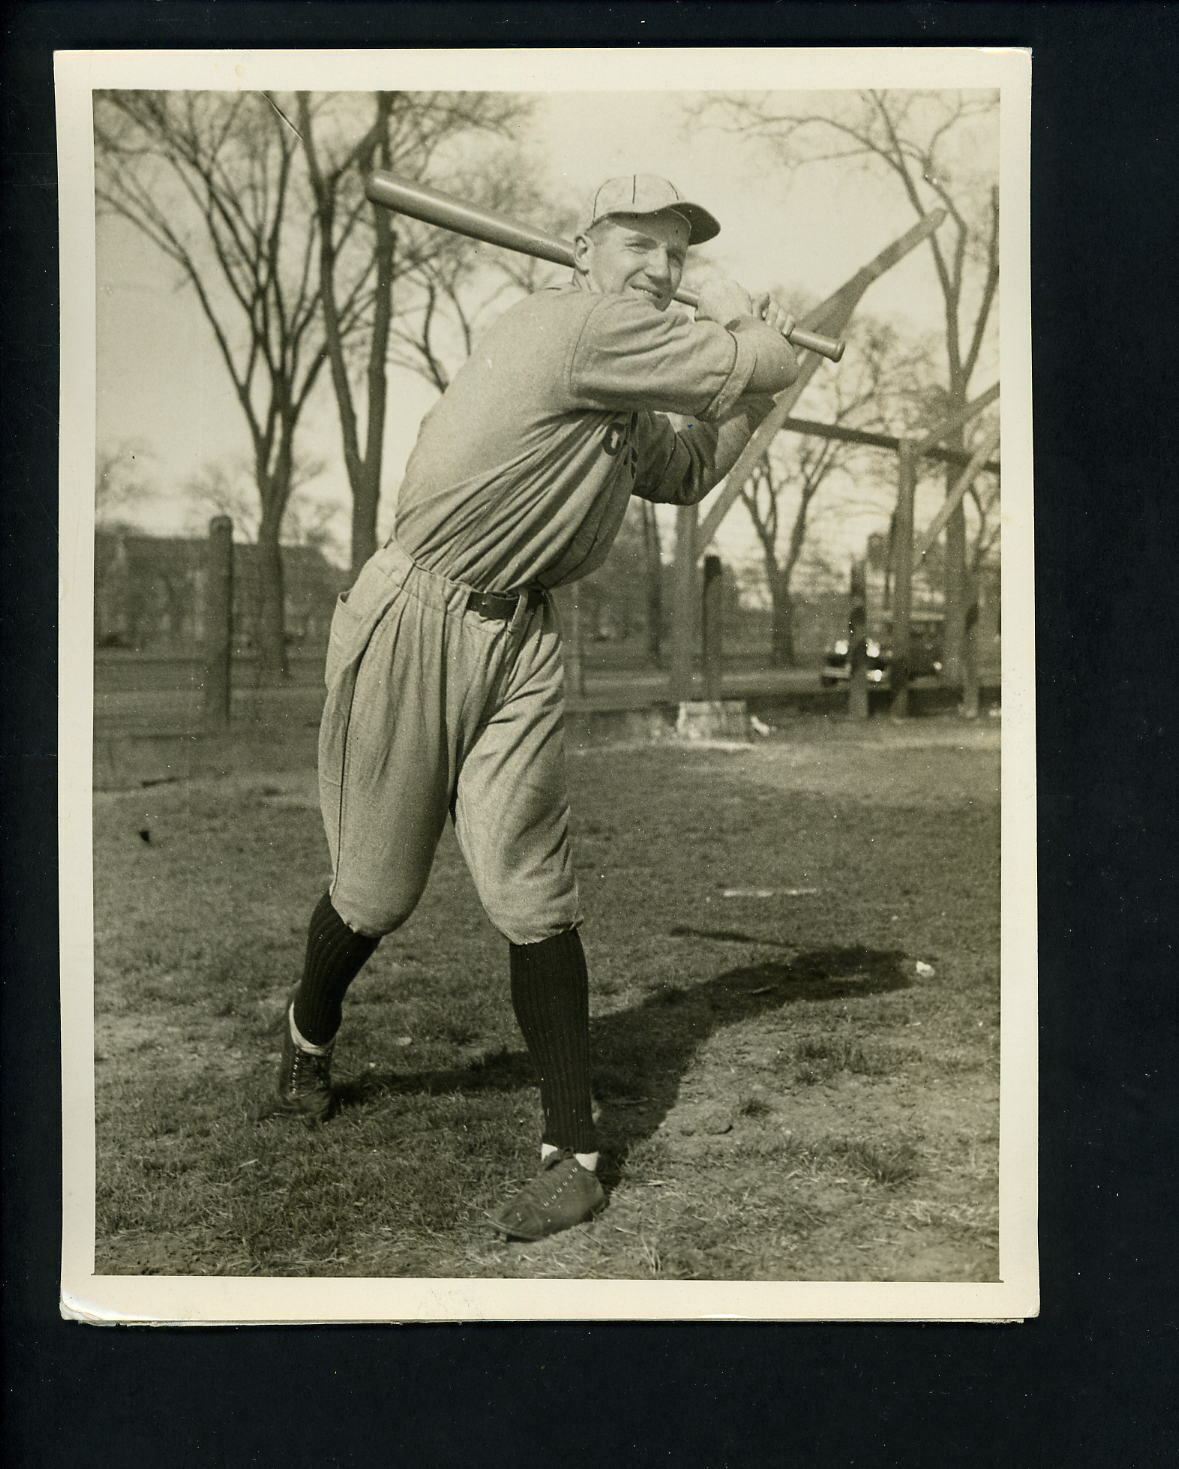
676, 459
630, 355
681, 459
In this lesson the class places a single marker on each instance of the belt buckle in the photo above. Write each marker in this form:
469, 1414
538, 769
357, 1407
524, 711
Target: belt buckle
510, 607
487, 604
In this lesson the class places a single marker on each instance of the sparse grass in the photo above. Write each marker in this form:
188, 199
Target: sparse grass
889, 1163
781, 1094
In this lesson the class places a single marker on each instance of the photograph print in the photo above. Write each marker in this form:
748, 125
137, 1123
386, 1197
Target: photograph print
557, 836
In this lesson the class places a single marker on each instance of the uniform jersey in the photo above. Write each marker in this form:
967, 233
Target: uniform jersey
522, 470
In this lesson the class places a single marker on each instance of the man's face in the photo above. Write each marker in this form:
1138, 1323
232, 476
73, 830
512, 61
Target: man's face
638, 255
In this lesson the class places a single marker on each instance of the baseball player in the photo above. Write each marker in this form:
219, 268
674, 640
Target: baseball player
444, 668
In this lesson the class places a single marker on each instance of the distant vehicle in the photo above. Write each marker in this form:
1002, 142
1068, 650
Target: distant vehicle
837, 664
925, 653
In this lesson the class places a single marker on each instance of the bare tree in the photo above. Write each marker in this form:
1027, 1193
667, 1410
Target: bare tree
365, 299
983, 526
985, 499
121, 481
210, 180
365, 254
879, 385
454, 285
225, 487
939, 149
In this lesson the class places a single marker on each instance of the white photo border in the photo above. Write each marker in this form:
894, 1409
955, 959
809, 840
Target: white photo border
208, 1300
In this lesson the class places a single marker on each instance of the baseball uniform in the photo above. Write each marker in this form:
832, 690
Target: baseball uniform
439, 703
444, 671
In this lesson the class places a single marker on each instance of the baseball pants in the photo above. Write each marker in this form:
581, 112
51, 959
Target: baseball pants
434, 708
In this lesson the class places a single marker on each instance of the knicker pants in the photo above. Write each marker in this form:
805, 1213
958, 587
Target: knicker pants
433, 708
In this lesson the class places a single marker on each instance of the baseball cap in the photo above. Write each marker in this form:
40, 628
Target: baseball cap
647, 193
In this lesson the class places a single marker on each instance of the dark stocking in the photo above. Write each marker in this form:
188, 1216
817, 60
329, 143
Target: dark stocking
550, 995
335, 954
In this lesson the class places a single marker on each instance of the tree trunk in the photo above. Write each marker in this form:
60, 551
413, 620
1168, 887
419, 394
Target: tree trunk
954, 583
365, 497
782, 654
362, 463
654, 561
857, 651
270, 632
366, 487
902, 603
687, 603
218, 623
970, 690
713, 628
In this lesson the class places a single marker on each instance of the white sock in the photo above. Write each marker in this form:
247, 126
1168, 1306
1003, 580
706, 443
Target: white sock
300, 1041
587, 1160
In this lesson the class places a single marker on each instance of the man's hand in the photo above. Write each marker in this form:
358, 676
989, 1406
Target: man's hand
723, 300
773, 314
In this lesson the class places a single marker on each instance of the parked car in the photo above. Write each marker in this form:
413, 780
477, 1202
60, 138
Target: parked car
925, 653
837, 664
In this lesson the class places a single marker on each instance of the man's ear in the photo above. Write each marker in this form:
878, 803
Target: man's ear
582, 250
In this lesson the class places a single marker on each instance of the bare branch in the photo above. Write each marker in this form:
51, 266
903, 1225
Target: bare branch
989, 289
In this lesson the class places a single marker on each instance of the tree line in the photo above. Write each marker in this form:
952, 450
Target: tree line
931, 150
257, 200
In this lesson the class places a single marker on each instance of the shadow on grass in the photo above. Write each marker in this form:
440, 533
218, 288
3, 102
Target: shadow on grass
640, 1055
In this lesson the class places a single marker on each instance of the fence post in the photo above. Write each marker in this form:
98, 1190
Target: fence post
713, 619
902, 598
218, 622
857, 651
683, 631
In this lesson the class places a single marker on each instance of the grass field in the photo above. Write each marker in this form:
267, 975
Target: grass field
784, 1094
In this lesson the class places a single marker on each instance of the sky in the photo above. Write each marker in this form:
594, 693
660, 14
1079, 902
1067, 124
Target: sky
162, 385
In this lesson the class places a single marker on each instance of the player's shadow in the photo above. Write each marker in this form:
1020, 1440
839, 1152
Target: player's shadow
641, 1054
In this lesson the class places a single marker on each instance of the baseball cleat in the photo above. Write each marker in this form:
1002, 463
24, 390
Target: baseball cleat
563, 1195
304, 1081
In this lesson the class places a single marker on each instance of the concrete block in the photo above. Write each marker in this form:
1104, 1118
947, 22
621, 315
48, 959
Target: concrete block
707, 719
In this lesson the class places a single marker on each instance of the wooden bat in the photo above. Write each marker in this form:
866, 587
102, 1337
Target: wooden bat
434, 207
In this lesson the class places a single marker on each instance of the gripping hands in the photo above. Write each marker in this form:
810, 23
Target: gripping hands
723, 300
759, 318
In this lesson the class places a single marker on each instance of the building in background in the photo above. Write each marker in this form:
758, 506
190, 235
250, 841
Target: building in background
149, 594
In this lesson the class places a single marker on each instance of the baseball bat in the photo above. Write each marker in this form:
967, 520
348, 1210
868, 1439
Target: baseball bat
432, 206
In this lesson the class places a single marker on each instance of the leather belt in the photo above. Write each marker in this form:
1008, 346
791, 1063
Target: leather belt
505, 605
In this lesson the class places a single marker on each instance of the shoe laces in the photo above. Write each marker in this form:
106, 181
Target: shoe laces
544, 1186
310, 1069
